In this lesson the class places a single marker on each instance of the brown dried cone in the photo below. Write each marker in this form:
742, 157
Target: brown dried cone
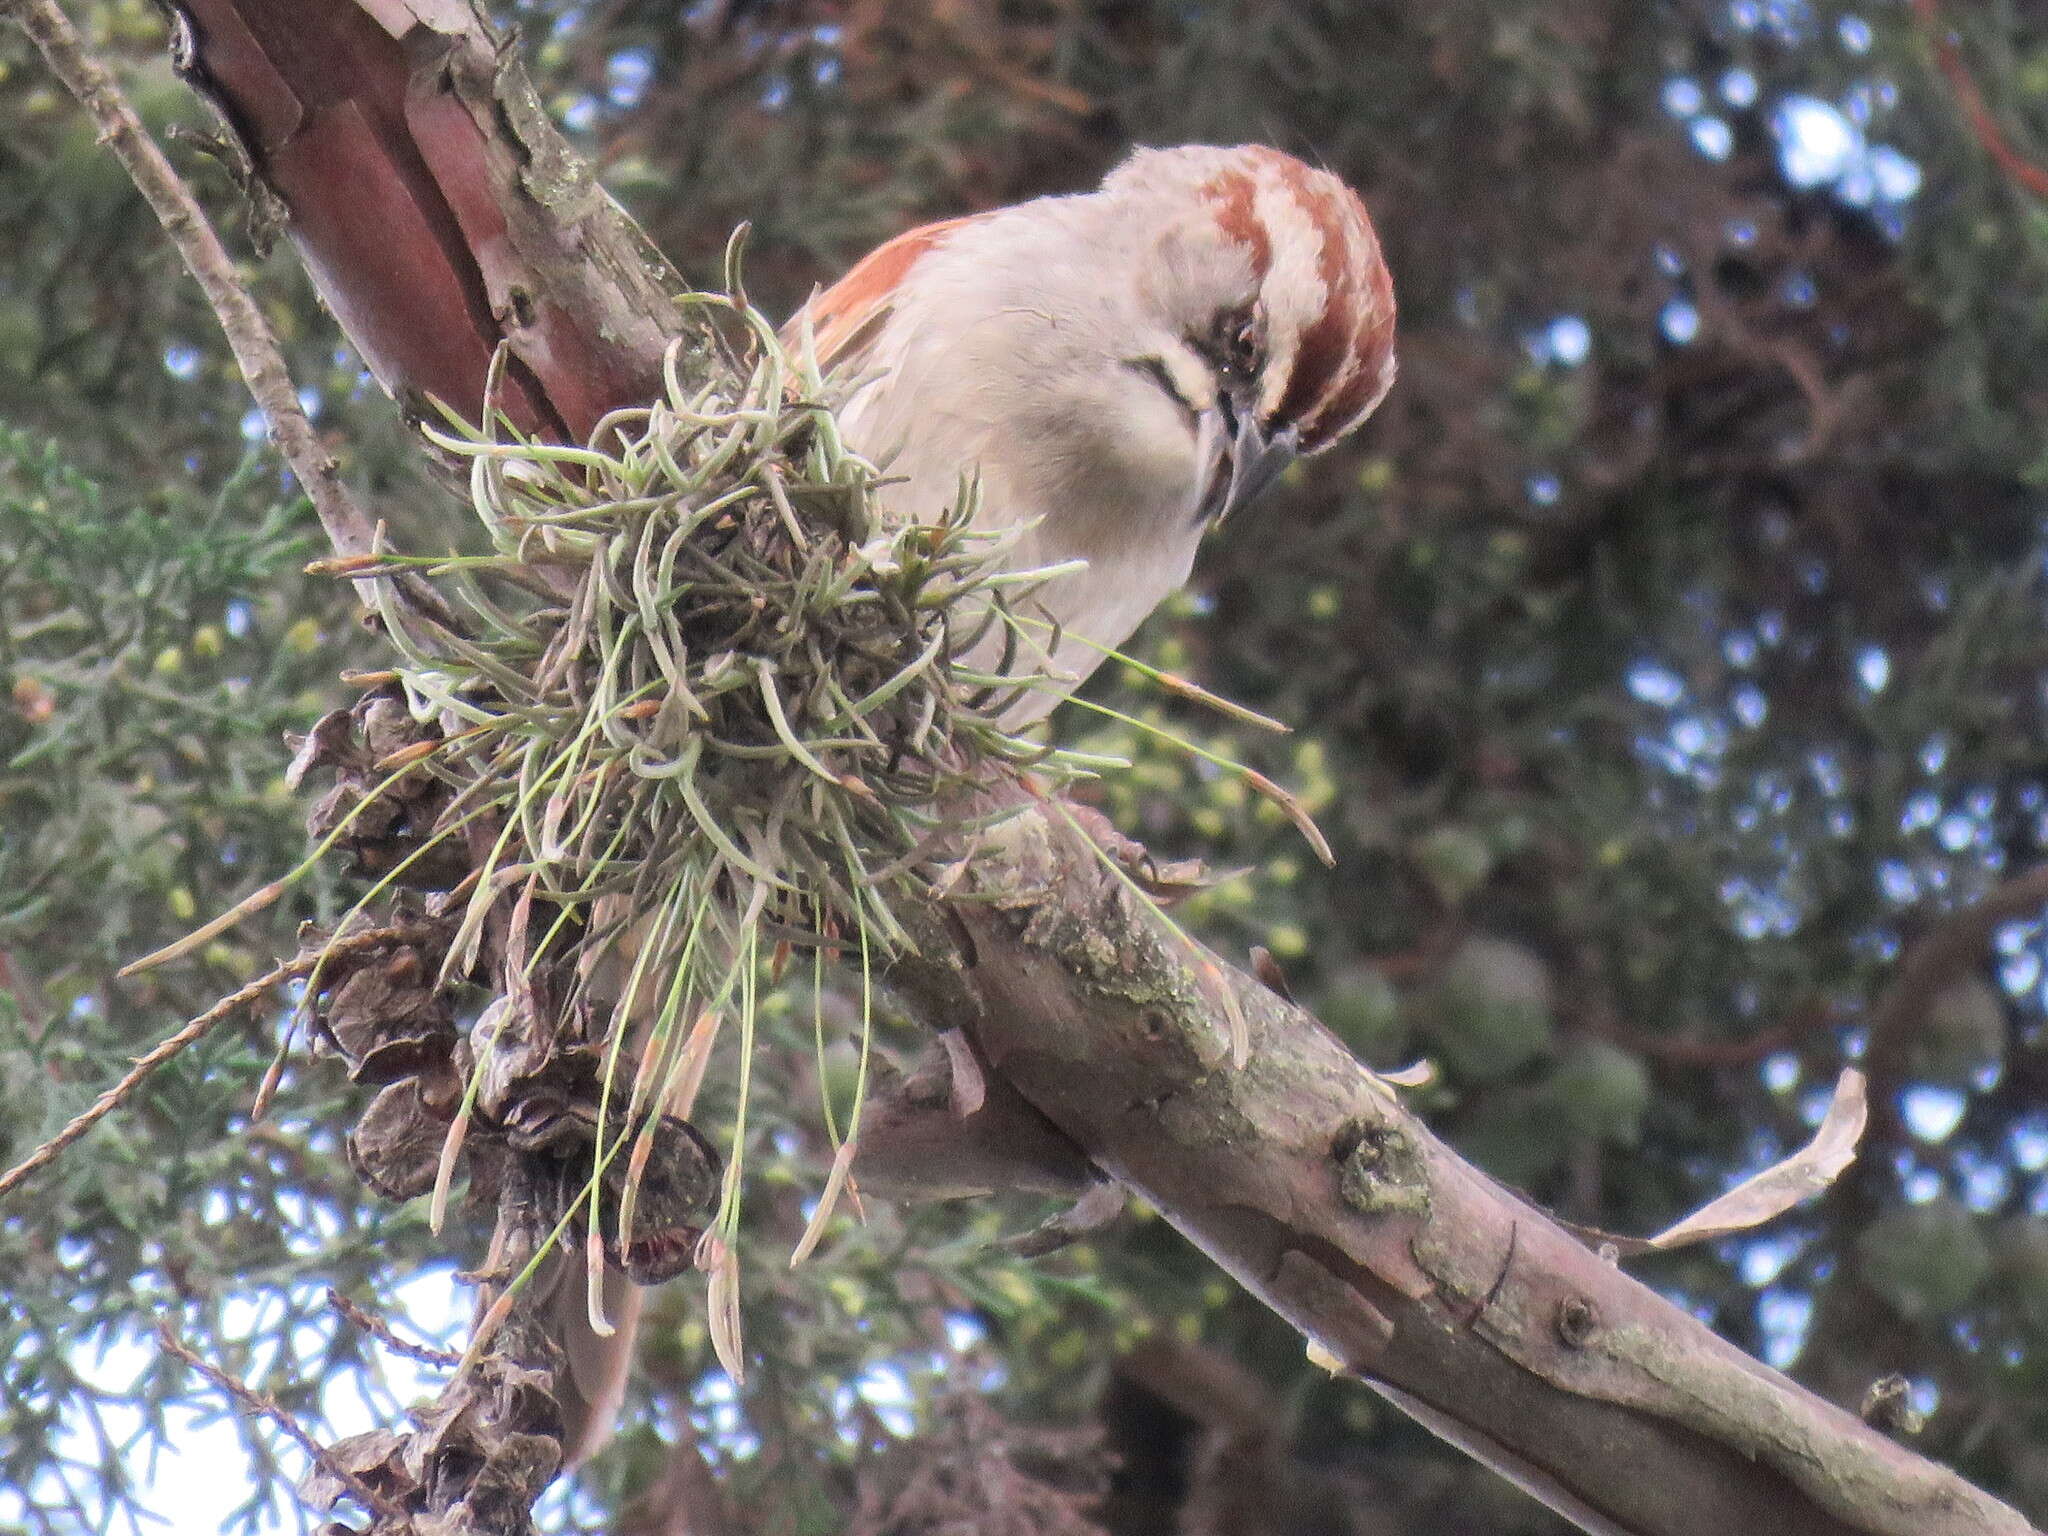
481, 1453
518, 1098
379, 813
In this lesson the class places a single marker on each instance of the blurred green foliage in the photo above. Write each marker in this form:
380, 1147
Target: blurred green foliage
1666, 660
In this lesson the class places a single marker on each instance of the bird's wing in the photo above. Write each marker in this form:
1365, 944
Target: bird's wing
846, 317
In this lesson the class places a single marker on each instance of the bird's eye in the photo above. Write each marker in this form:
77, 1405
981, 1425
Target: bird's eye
1233, 346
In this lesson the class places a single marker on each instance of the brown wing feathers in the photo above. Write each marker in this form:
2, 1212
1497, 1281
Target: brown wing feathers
843, 316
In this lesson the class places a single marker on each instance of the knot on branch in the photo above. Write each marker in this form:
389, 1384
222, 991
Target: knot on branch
1379, 1171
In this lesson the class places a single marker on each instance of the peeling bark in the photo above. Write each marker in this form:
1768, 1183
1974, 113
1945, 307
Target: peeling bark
437, 207
442, 216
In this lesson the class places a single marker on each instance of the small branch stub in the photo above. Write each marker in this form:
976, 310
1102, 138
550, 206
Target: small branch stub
1378, 1172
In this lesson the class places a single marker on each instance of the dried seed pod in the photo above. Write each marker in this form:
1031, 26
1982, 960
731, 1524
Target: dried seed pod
377, 1457
395, 1147
389, 1022
664, 1196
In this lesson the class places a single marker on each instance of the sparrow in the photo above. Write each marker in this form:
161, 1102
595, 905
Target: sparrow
1121, 370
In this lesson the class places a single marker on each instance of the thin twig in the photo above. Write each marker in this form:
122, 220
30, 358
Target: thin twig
263, 1406
1970, 97
349, 529
113, 1098
183, 1040
380, 1330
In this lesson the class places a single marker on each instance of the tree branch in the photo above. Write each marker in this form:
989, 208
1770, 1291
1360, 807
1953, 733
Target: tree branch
258, 1405
440, 212
173, 1046
1471, 1310
1931, 963
349, 528
1970, 97
165, 1050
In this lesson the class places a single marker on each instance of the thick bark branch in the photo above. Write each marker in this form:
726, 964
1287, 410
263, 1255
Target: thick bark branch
1306, 1180
442, 216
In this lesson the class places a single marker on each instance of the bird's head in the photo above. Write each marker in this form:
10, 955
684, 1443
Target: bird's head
1160, 348
1265, 311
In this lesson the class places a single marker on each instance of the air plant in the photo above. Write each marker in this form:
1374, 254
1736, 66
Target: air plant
699, 706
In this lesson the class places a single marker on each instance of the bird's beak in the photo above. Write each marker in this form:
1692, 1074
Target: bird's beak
1256, 461
1239, 460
